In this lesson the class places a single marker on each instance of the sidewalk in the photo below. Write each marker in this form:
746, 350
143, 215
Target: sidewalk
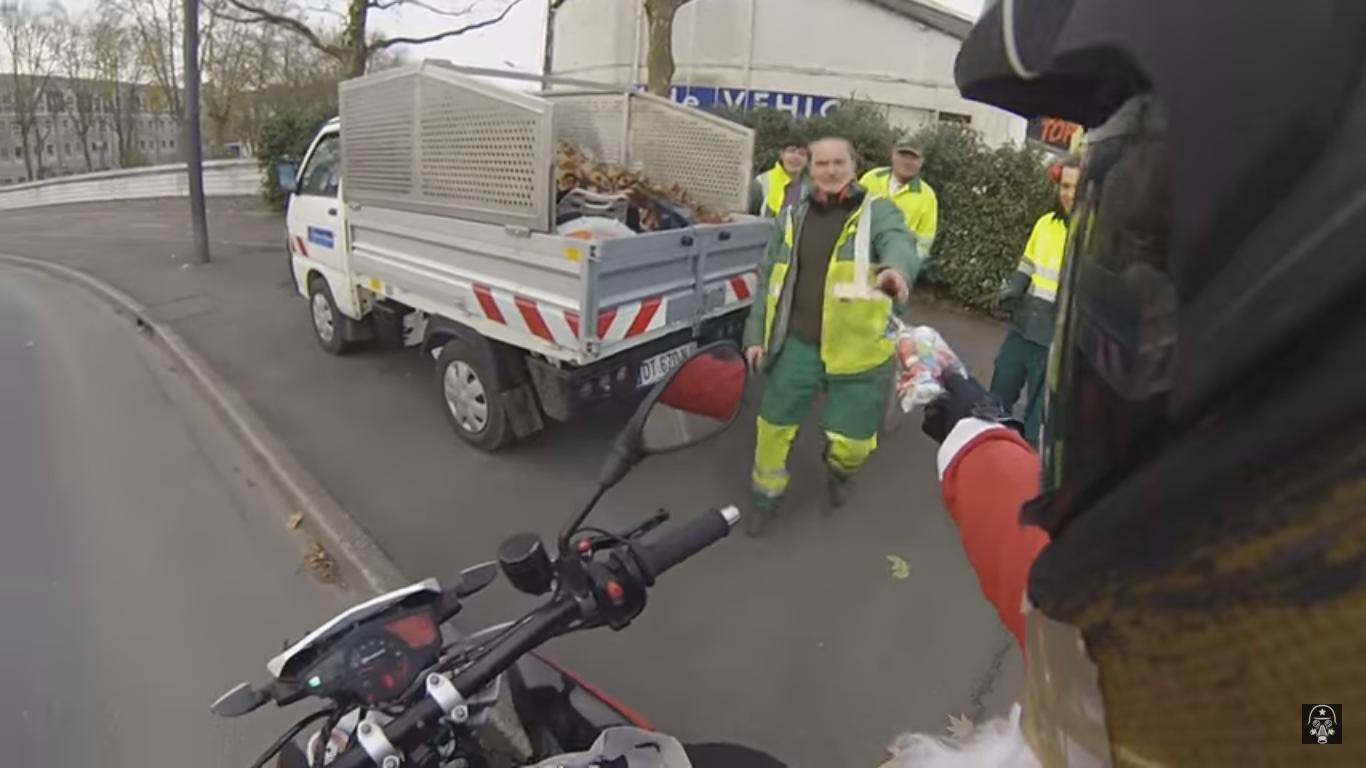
713, 655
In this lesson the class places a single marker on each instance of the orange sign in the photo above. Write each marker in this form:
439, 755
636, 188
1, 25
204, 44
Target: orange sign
1053, 132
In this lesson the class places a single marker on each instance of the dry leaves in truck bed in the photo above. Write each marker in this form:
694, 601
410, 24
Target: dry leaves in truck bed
574, 170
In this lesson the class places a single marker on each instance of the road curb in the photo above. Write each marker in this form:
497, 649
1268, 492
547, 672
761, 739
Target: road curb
338, 532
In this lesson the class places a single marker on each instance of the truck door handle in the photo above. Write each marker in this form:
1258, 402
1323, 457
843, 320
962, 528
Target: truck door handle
687, 240
331, 211
723, 236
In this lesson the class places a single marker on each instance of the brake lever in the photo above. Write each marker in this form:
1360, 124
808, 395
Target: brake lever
654, 521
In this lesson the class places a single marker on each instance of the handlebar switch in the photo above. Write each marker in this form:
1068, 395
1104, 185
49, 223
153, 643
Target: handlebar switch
378, 746
618, 589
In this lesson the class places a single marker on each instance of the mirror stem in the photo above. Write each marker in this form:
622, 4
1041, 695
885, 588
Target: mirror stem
578, 519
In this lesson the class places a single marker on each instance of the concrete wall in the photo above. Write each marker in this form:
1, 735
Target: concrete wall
222, 178
837, 48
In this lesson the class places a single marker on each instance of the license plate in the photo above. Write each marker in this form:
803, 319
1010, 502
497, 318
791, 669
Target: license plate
653, 369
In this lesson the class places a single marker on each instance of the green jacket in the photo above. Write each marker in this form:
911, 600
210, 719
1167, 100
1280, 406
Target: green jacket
1030, 295
854, 335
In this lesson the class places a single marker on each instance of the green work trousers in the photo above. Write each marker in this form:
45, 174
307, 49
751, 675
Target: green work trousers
853, 412
1020, 366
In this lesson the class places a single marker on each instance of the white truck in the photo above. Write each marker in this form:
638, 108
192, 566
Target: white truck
425, 215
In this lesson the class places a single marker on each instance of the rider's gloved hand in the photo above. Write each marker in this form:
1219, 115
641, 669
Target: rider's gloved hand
963, 398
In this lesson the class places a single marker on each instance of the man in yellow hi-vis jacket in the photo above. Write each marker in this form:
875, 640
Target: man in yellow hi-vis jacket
900, 182
1030, 298
833, 268
782, 186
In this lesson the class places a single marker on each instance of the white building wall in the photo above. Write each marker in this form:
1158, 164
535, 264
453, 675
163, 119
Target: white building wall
834, 48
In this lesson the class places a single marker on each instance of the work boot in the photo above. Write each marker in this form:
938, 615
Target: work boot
761, 508
837, 487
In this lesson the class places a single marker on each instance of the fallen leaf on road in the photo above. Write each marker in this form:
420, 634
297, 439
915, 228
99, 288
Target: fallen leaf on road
321, 563
960, 726
900, 568
295, 520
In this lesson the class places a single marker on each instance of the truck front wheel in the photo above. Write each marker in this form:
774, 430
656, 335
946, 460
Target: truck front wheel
471, 396
329, 324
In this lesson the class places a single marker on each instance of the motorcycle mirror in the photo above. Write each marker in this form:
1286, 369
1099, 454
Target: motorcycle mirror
696, 400
238, 701
476, 577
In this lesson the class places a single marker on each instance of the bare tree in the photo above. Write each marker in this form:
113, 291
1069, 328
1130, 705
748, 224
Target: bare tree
232, 62
156, 28
659, 62
29, 39
76, 55
347, 37
117, 68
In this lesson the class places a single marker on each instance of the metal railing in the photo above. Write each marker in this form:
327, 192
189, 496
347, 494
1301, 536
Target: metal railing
222, 178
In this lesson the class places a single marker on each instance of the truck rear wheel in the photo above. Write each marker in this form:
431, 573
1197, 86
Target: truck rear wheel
471, 396
329, 324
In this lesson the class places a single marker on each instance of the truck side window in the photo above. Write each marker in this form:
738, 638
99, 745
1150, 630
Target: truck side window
323, 173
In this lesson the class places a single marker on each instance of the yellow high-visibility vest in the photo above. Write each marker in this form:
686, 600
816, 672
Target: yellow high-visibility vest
774, 185
917, 201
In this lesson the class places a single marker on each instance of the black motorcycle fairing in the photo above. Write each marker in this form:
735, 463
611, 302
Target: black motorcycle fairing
559, 712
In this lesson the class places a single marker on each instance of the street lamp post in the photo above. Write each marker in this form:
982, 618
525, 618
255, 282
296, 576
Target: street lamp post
194, 154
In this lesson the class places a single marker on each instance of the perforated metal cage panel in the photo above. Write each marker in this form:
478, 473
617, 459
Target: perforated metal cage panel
710, 157
593, 122
428, 139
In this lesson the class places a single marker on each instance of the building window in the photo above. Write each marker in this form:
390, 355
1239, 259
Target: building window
19, 152
954, 117
66, 148
172, 143
51, 150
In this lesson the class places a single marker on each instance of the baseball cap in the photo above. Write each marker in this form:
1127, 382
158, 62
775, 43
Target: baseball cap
908, 146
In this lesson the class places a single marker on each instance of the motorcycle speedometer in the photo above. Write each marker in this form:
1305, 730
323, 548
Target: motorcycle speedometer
382, 660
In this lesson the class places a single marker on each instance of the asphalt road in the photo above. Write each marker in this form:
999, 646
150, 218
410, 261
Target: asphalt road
143, 568
804, 642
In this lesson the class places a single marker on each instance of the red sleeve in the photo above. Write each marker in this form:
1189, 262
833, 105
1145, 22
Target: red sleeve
985, 483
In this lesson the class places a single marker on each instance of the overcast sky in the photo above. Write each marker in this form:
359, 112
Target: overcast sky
516, 43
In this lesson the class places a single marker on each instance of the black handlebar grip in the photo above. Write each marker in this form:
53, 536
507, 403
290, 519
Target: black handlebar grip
679, 543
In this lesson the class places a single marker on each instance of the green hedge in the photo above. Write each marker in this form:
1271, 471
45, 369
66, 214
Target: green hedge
988, 198
284, 136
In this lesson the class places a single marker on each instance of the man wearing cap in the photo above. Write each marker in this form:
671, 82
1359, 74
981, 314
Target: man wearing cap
901, 183
783, 185
836, 265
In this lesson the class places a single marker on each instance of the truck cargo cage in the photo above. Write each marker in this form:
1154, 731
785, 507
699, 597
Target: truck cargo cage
477, 151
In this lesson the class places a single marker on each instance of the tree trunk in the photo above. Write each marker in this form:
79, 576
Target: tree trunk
659, 62
355, 48
85, 148
28, 154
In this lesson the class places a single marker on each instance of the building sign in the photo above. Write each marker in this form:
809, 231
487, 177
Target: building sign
1058, 134
798, 104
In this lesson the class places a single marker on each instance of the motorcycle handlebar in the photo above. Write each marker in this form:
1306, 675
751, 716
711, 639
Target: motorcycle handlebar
682, 542
669, 549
